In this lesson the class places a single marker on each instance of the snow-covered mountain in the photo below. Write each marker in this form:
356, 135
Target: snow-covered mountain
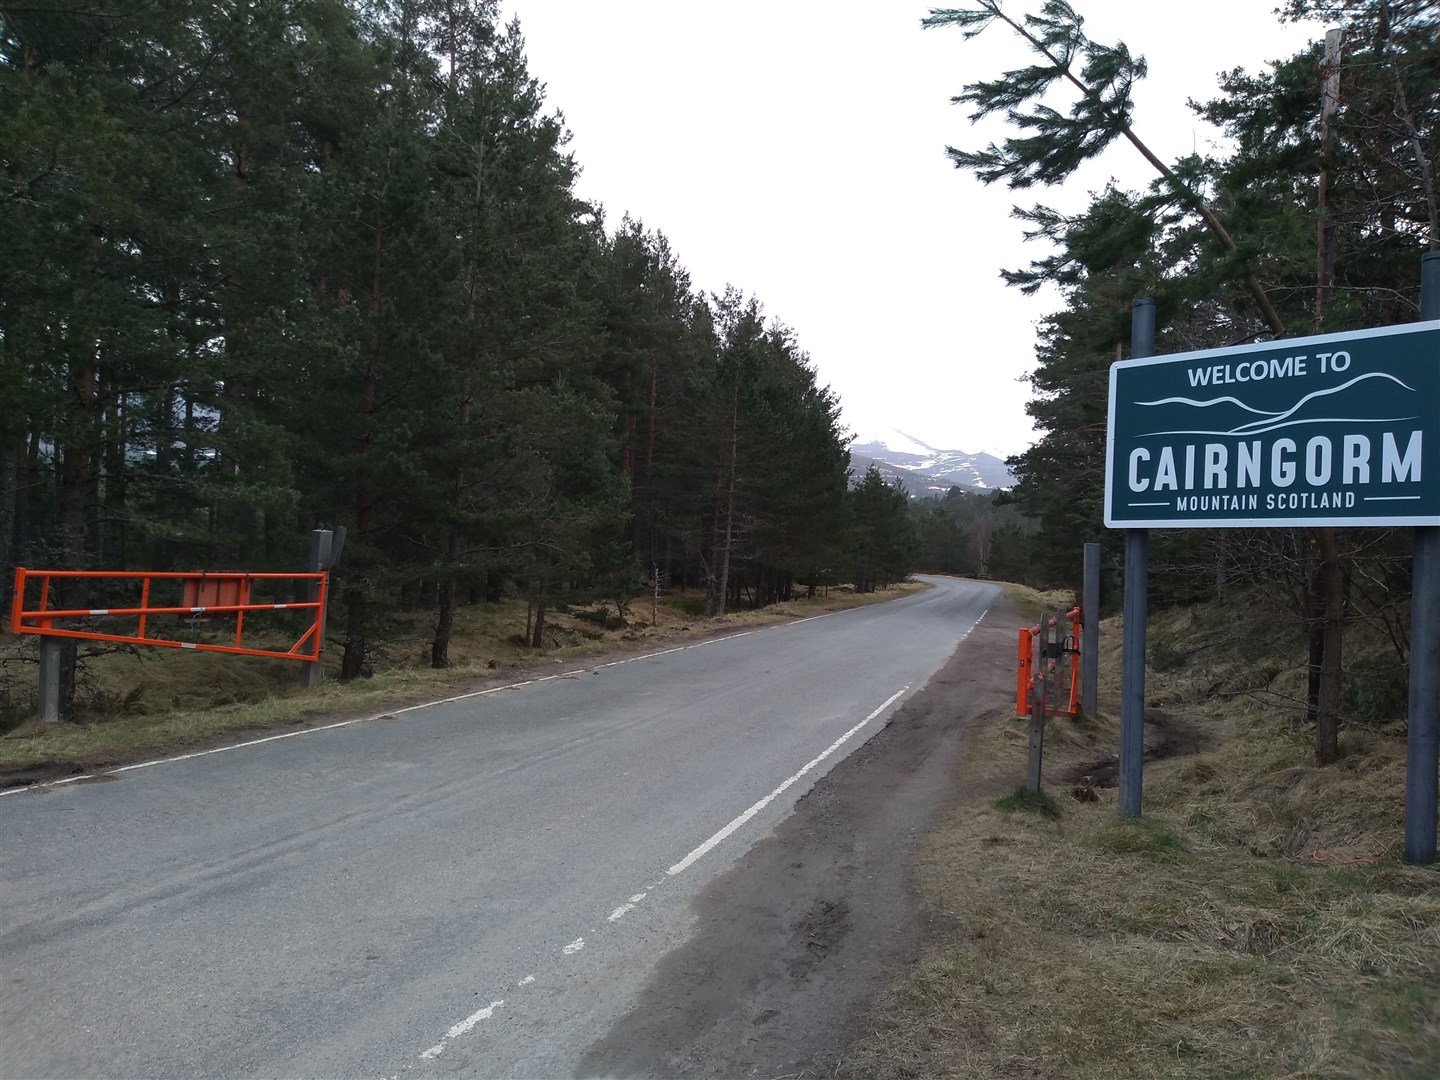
922, 468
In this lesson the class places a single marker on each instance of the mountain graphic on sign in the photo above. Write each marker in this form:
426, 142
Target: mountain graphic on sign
1313, 408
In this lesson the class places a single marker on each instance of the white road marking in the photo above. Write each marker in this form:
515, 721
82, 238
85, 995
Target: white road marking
474, 1018
579, 943
682, 648
812, 618
462, 1028
690, 860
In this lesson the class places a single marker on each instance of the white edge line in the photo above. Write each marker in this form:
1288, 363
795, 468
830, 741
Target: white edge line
389, 713
690, 859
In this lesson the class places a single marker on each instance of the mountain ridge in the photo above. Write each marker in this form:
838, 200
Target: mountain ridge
925, 470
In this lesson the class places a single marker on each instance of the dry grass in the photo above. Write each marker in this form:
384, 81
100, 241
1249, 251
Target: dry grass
149, 701
1257, 921
1032, 602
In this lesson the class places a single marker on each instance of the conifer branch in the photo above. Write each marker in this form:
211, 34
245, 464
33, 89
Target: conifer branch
1065, 142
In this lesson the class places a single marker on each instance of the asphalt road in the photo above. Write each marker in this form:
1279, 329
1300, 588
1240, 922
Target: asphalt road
479, 887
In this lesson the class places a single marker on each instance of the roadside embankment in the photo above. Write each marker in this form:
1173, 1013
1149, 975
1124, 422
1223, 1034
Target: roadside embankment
1258, 921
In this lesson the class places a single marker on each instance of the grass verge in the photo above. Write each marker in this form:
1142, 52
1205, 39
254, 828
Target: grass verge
1257, 921
141, 702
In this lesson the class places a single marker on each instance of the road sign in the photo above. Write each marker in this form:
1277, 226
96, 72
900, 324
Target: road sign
1340, 429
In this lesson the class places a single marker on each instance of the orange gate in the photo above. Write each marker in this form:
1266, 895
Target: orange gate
204, 595
1065, 648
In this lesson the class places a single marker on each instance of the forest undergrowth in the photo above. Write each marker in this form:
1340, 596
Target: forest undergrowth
1258, 920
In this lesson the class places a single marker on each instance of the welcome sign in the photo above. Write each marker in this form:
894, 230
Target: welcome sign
1341, 429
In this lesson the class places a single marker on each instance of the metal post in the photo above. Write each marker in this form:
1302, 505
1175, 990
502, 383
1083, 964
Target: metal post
1037, 705
313, 674
1132, 663
50, 656
1422, 751
1090, 632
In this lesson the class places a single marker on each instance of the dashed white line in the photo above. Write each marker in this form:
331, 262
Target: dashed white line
474, 1018
462, 1028
689, 860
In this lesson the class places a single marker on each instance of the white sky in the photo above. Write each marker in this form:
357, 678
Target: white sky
795, 148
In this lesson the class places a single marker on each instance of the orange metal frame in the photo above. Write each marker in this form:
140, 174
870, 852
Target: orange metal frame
1027, 661
41, 620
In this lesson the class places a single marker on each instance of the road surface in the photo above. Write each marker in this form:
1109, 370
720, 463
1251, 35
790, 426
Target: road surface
478, 887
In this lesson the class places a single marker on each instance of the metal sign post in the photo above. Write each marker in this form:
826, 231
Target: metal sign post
1137, 573
1090, 629
1422, 750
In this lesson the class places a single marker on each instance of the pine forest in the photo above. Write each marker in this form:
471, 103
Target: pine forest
275, 266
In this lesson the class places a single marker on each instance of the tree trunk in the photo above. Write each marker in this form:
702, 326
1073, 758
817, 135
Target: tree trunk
445, 618
729, 510
25, 458
444, 624
352, 663
537, 638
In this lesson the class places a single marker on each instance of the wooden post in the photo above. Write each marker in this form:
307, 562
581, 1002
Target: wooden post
1037, 706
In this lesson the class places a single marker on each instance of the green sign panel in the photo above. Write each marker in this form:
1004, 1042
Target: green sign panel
1342, 429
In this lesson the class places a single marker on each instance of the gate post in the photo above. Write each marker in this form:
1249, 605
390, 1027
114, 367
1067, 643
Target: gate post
50, 663
312, 674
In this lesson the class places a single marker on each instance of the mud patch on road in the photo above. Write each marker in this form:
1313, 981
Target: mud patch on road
796, 938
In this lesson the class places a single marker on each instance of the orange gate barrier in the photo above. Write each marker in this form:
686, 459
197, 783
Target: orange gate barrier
1066, 647
204, 594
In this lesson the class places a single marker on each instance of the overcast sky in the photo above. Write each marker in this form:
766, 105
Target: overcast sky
795, 149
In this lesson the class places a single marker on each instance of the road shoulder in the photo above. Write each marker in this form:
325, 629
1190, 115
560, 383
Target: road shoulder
795, 940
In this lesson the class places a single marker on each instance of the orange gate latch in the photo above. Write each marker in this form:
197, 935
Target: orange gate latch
1067, 646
